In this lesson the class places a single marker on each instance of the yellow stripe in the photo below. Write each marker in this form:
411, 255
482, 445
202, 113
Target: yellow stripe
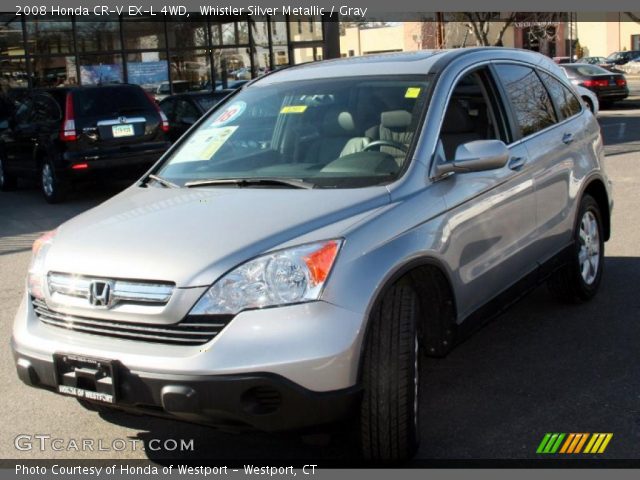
601, 437
575, 442
605, 443
584, 439
567, 442
594, 437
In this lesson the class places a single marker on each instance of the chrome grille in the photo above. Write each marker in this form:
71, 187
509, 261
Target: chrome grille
121, 291
193, 330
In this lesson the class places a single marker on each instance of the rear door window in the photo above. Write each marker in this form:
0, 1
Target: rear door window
528, 97
566, 102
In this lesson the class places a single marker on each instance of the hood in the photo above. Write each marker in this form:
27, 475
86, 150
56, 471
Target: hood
192, 236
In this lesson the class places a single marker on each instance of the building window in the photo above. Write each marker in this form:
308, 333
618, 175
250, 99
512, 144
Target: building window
190, 70
49, 36
54, 71
187, 34
100, 69
149, 70
140, 33
98, 36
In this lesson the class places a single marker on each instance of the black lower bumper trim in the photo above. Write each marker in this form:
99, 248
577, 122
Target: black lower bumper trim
263, 401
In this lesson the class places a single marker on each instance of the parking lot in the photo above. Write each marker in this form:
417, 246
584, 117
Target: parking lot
540, 367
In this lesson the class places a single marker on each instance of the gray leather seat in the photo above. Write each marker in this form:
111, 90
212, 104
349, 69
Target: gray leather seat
458, 128
337, 139
394, 126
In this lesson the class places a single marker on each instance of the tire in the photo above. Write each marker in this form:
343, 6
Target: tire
7, 181
389, 430
53, 188
579, 280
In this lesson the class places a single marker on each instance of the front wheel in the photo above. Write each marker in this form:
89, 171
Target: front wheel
53, 188
580, 279
389, 429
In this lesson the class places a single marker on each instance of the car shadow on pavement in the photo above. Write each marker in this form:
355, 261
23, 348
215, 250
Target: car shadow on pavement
542, 366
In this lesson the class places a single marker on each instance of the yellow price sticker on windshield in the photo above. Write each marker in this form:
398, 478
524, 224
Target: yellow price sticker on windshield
412, 92
293, 109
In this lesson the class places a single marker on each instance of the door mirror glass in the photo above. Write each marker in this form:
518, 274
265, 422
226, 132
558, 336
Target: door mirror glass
476, 156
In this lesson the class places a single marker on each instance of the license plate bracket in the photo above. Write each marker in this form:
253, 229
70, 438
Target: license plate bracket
86, 377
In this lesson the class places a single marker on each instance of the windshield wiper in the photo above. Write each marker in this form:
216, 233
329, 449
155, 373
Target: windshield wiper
247, 182
165, 183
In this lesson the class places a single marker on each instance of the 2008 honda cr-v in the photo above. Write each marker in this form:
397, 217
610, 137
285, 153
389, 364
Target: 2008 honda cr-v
289, 260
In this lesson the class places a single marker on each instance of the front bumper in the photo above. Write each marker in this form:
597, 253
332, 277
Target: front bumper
306, 355
234, 402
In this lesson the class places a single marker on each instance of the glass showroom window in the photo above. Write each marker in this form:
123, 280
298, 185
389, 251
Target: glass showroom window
140, 33
100, 69
13, 67
261, 60
103, 36
150, 70
187, 34
305, 29
49, 36
54, 71
231, 64
190, 70
279, 42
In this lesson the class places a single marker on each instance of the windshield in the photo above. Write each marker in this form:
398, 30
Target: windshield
331, 133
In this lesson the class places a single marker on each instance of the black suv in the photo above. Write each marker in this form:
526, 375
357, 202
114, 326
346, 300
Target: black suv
66, 134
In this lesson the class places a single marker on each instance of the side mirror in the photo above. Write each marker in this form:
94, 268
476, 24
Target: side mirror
188, 120
476, 156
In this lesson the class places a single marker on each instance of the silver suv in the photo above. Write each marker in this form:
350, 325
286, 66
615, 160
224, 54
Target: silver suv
291, 258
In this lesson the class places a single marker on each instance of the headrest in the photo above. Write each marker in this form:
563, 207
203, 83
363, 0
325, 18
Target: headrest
396, 119
338, 123
457, 119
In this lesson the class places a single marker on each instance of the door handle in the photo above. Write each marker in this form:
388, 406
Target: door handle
516, 163
567, 138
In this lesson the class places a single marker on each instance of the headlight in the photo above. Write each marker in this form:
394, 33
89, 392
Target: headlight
284, 277
37, 276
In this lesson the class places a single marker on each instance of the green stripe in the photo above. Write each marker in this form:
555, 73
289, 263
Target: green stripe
558, 442
550, 443
543, 443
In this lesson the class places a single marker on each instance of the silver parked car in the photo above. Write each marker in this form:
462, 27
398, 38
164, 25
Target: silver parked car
291, 257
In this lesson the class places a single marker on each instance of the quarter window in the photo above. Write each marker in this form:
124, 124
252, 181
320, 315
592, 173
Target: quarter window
566, 102
528, 97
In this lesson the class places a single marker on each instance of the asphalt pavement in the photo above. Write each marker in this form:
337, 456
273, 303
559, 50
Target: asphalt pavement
540, 367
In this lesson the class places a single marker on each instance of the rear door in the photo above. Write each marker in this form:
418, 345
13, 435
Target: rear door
557, 174
114, 116
549, 139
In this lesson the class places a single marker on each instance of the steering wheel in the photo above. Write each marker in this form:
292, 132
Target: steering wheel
386, 143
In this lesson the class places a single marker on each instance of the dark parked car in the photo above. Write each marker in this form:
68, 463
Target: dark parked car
184, 109
64, 134
608, 86
621, 58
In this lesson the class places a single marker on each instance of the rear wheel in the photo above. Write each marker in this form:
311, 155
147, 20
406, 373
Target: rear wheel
53, 188
7, 181
579, 280
389, 429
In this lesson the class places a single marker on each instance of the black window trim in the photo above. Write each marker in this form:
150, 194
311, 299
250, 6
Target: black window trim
556, 107
520, 138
